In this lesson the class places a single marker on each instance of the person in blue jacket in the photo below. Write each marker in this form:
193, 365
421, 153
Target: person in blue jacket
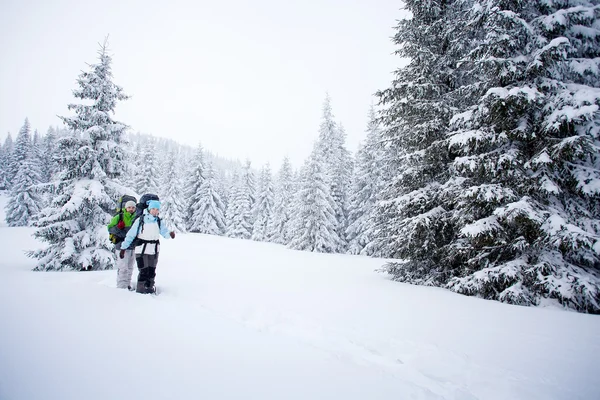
144, 236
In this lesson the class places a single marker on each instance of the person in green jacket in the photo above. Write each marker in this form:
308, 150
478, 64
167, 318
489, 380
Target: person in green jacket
119, 225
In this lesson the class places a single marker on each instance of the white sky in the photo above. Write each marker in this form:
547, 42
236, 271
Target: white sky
246, 78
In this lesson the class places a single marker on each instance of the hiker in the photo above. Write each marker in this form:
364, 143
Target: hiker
144, 236
118, 227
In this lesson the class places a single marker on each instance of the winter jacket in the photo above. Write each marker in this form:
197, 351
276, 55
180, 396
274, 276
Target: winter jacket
127, 219
120, 232
148, 236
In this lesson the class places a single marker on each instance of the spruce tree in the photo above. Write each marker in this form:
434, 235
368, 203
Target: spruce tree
278, 227
147, 173
366, 186
490, 131
91, 158
264, 205
174, 210
209, 212
337, 167
21, 149
195, 179
230, 209
5, 157
314, 224
24, 201
48, 164
239, 213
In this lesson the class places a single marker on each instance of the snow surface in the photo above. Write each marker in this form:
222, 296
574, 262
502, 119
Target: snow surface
246, 320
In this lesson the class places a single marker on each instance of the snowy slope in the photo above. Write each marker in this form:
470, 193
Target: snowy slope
240, 319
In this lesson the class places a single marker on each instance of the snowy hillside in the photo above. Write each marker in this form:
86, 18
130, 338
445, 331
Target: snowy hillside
245, 320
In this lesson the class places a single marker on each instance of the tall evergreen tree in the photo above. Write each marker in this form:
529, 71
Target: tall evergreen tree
22, 148
91, 157
5, 158
209, 215
230, 209
278, 228
314, 224
337, 168
341, 181
47, 163
366, 186
240, 211
498, 195
147, 174
24, 201
174, 209
249, 181
264, 205
194, 182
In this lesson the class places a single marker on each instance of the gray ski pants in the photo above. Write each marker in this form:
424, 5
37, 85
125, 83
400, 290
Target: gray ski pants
125, 268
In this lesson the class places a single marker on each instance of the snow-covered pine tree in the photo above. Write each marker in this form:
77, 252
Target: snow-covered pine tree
313, 225
498, 195
247, 178
209, 214
174, 210
366, 186
5, 157
147, 174
528, 153
221, 185
265, 199
47, 163
278, 228
91, 157
194, 180
133, 161
337, 167
240, 209
21, 150
24, 201
230, 208
341, 180
409, 220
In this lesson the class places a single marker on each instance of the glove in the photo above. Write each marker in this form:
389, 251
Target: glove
122, 254
121, 225
172, 235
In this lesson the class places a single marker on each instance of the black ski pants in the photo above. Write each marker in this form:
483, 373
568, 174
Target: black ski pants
147, 272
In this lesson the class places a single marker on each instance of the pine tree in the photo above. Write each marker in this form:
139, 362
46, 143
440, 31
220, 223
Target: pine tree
279, 224
341, 180
209, 212
5, 157
497, 184
91, 157
21, 150
264, 205
313, 227
174, 209
248, 180
366, 186
240, 210
230, 209
24, 201
147, 173
337, 166
195, 179
47, 163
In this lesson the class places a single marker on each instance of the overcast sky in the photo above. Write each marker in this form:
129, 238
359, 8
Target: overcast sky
245, 78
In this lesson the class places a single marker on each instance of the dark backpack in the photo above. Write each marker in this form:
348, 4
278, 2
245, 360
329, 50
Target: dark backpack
139, 210
114, 237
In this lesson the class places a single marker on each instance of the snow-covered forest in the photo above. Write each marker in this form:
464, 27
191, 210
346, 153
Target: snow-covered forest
479, 171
